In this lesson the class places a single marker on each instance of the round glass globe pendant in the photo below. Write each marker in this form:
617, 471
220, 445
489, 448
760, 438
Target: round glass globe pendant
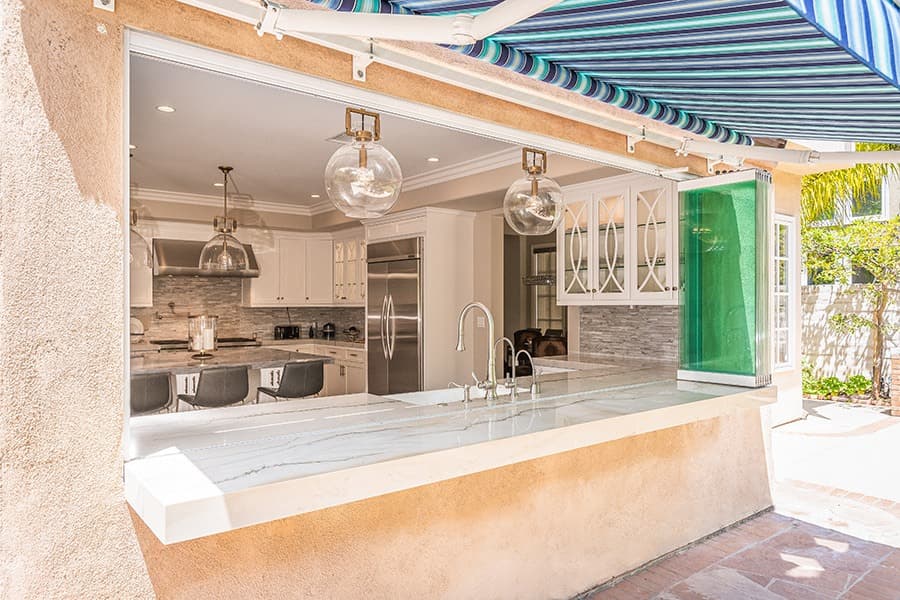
363, 178
223, 253
138, 248
533, 205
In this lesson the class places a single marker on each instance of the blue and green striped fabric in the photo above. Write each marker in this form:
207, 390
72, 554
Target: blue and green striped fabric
728, 70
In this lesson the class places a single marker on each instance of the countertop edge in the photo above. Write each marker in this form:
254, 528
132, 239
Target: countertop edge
211, 512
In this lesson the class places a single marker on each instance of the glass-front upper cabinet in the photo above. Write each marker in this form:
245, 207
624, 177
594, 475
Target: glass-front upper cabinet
574, 240
610, 208
654, 274
627, 255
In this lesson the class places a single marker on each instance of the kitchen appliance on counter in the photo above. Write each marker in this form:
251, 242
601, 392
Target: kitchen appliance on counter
352, 334
202, 335
394, 316
287, 332
328, 331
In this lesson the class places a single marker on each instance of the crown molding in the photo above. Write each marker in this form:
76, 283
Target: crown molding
472, 166
214, 201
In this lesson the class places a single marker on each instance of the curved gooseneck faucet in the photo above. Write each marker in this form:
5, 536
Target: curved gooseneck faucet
490, 385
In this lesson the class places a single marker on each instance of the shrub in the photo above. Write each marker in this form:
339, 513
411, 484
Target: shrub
857, 385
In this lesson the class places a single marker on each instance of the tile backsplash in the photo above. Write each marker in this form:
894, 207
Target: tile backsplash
222, 296
630, 331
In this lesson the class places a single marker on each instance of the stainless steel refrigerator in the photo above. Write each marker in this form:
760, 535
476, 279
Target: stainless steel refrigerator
394, 316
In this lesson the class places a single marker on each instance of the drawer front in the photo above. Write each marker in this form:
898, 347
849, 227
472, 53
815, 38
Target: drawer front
355, 355
332, 351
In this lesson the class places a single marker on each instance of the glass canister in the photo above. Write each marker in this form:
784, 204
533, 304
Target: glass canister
202, 335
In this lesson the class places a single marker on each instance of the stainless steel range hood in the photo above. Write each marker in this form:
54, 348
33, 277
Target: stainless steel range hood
182, 257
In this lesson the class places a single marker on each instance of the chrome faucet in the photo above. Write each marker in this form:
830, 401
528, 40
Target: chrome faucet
490, 384
514, 393
535, 387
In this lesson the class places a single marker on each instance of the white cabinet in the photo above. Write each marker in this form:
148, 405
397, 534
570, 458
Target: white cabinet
270, 378
350, 271
347, 374
295, 270
617, 243
186, 384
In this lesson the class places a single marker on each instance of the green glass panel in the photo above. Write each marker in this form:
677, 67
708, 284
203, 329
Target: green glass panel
723, 326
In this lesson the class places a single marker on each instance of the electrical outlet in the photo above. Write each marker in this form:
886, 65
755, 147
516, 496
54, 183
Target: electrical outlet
109, 5
479, 322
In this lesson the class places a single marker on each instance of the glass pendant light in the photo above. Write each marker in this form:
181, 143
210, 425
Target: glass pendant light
363, 179
223, 252
138, 248
533, 204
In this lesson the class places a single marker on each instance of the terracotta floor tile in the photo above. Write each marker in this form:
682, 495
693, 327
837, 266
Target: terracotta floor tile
874, 591
718, 582
882, 575
796, 591
631, 590
655, 579
892, 560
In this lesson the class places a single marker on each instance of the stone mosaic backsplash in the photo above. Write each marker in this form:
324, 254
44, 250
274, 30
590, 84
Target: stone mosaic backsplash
222, 296
630, 331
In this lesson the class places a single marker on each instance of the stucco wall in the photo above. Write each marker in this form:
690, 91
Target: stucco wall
66, 531
831, 352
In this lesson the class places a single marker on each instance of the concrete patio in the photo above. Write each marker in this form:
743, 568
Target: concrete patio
834, 533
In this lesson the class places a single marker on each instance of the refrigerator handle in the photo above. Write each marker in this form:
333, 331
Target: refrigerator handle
392, 326
384, 347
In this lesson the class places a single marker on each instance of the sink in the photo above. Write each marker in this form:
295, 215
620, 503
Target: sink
447, 396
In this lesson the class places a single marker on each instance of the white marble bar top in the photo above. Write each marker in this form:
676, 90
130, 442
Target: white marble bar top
200, 473
254, 357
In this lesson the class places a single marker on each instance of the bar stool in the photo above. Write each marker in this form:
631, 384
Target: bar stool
150, 393
298, 380
219, 386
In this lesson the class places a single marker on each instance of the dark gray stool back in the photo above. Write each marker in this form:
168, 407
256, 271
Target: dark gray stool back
298, 380
150, 392
220, 386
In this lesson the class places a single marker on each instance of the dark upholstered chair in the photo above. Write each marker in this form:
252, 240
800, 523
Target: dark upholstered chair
219, 386
298, 380
150, 393
550, 346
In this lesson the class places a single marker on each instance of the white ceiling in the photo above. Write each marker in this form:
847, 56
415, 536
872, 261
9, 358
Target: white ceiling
275, 139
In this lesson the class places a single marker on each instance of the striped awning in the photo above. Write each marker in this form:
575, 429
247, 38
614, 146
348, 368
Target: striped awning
728, 70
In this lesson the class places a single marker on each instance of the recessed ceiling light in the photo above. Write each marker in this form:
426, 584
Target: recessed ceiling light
433, 159
165, 108
131, 146
315, 196
219, 184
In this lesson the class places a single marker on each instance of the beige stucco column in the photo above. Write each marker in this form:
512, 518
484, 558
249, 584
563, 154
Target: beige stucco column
65, 529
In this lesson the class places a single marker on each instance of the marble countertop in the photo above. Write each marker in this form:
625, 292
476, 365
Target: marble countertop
299, 342
199, 473
255, 357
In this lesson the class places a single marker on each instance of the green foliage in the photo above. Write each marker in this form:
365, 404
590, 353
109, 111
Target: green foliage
832, 387
821, 191
856, 385
832, 252
870, 245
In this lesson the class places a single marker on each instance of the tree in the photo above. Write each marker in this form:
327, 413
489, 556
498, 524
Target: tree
822, 191
831, 253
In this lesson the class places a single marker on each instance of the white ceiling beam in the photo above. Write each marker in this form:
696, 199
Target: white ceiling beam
456, 30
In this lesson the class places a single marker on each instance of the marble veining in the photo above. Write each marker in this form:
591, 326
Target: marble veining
193, 474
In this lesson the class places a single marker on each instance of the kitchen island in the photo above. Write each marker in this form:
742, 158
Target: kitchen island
201, 473
181, 362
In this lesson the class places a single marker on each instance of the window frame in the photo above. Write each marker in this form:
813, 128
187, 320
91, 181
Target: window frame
792, 258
